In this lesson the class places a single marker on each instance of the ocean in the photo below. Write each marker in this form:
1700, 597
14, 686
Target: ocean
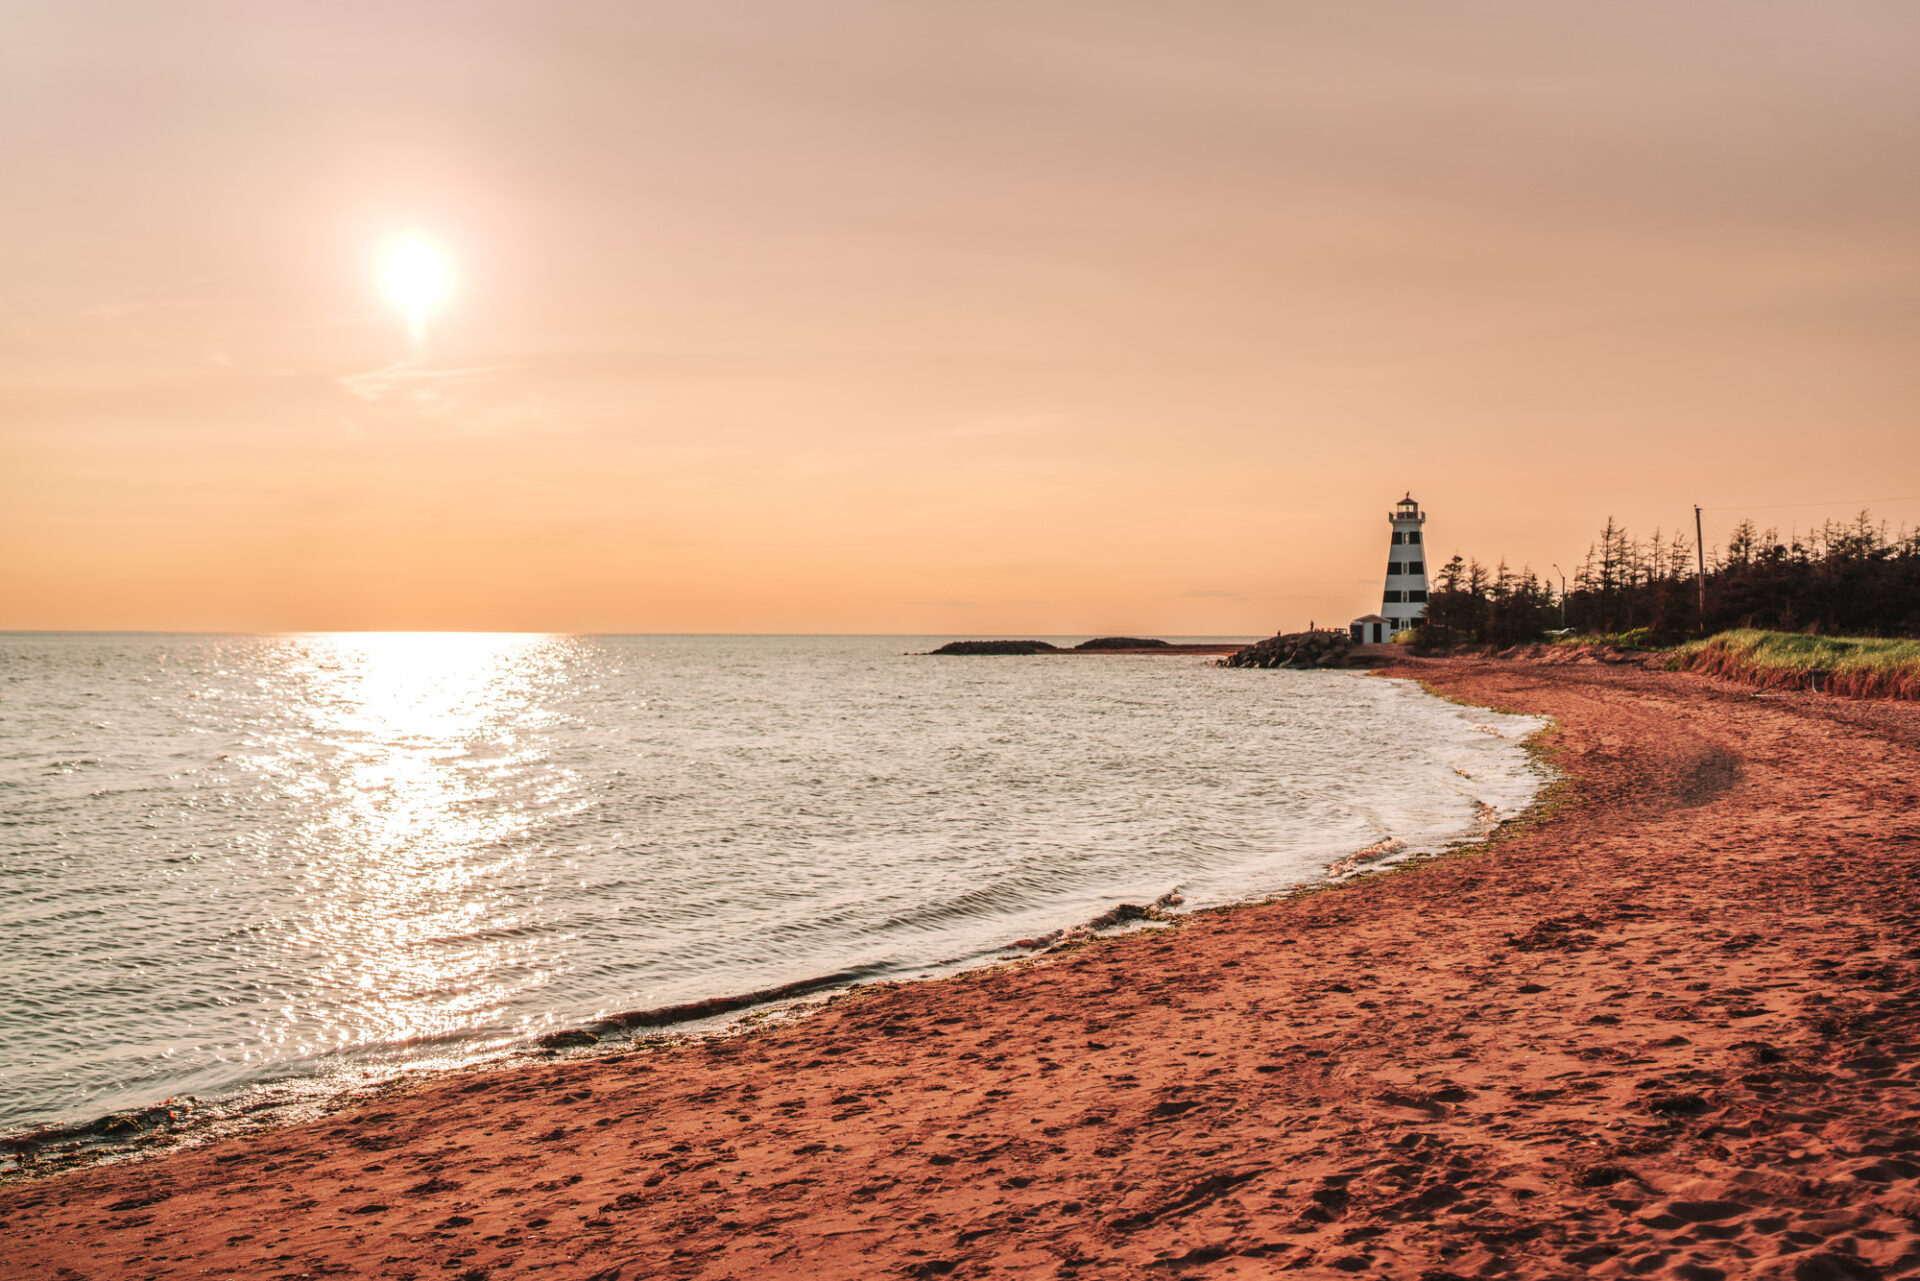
256, 870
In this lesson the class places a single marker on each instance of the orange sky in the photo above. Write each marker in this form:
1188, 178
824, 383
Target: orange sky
928, 316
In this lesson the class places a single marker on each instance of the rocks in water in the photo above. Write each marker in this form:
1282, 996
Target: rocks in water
1119, 914
114, 1125
714, 1006
1117, 644
1295, 650
1123, 642
998, 647
567, 1039
1360, 858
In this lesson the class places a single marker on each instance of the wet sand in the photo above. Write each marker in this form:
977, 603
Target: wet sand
1668, 1028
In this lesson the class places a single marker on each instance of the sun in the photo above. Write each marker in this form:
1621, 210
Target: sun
417, 276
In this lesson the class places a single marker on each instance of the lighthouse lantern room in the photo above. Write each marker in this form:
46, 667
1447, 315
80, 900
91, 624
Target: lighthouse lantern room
1404, 602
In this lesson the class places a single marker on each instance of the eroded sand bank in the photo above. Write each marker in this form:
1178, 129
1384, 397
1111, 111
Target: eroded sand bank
1668, 1030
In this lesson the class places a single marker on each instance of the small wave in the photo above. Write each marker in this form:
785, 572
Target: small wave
693, 1011
1374, 853
1114, 917
22, 1149
1008, 893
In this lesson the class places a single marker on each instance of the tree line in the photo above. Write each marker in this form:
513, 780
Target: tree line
1843, 578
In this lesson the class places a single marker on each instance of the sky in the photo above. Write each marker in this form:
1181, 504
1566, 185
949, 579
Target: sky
929, 316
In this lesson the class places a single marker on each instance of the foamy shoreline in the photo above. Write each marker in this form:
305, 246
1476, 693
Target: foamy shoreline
302, 1087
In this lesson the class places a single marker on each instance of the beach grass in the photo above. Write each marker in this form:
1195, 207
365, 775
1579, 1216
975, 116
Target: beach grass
1859, 667
1637, 638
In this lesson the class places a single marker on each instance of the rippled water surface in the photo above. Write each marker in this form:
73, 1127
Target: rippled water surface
227, 861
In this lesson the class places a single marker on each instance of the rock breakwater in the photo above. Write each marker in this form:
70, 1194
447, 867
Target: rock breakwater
1320, 648
997, 647
1123, 642
1097, 644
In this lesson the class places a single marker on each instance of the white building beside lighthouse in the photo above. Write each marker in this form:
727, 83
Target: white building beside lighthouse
1403, 602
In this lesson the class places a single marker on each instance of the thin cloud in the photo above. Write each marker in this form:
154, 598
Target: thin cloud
431, 391
1005, 425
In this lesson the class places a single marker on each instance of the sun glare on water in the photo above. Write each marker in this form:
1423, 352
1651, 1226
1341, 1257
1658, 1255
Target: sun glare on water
417, 276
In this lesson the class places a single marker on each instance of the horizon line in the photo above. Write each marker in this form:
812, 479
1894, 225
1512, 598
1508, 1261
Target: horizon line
481, 631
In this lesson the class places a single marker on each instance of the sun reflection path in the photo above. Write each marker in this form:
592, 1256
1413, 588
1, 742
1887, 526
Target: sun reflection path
426, 771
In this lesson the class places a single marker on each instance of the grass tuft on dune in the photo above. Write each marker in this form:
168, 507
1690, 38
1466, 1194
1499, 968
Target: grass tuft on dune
1858, 667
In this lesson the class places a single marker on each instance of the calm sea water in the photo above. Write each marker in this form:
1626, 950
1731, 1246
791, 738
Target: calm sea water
232, 863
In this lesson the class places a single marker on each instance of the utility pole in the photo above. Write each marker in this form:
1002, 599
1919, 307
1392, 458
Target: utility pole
1700, 550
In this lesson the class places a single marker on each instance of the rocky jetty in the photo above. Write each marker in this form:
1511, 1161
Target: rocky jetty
998, 647
1295, 649
1122, 642
1099, 645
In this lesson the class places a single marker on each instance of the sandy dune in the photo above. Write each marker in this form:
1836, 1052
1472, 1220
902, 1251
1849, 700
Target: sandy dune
1670, 1030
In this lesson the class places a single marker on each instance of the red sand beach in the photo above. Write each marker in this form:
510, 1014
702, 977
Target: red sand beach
1667, 1028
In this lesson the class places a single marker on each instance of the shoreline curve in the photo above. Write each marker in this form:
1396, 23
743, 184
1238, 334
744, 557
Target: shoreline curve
1667, 1026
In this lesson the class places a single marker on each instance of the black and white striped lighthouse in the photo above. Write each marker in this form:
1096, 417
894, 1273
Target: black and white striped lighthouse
1404, 602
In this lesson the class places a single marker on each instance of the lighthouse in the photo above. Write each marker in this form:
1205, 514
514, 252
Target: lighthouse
1404, 602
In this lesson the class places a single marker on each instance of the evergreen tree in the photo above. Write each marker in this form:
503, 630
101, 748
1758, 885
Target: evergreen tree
1843, 578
